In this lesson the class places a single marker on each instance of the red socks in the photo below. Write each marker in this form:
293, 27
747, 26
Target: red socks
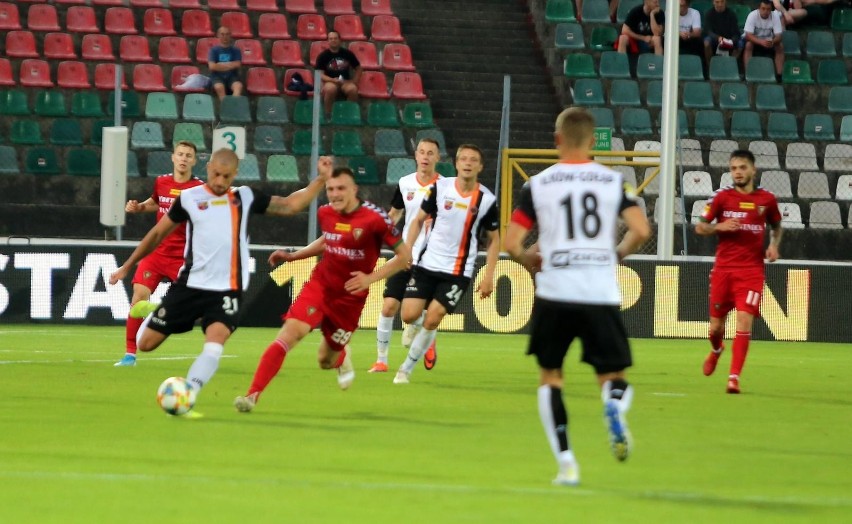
269, 365
740, 350
716, 341
340, 359
130, 331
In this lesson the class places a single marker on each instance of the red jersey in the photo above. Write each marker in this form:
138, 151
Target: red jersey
166, 190
745, 246
353, 242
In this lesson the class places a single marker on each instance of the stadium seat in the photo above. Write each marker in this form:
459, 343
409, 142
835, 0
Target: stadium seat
272, 26
365, 169
235, 110
791, 43
287, 53
628, 173
821, 44
81, 19
709, 123
43, 17
130, 107
105, 76
148, 77
134, 48
624, 7
223, 5
180, 73
97, 47
760, 69
302, 143
366, 54
108, 2
6, 77
690, 68
86, 104
66, 132
196, 23
797, 72
697, 211
239, 24
782, 126
746, 124
559, 11
832, 71
339, 7
158, 22
569, 35
417, 114
59, 46
97, 131
307, 76
408, 86
161, 106
588, 92
843, 190
262, 81
624, 93
158, 163
382, 114
8, 161
25, 132
603, 117
840, 99
819, 127
83, 162
649, 65
349, 27
145, 3
389, 142
147, 135
386, 28
10, 18
813, 184
376, 7
303, 113
635, 121
397, 57
269, 139
436, 135
697, 183
742, 11
311, 27
846, 128
42, 161
21, 44
249, 169
373, 84
579, 65
252, 52
120, 21
595, 13
262, 5
203, 47
725, 69
189, 132
198, 107
173, 50
801, 156
778, 182
272, 110
614, 65
345, 113
282, 168
720, 152
841, 19
71, 74
653, 185
300, 6
35, 73
445, 169
682, 123
734, 95
824, 215
838, 157
603, 38
770, 97
317, 47
765, 154
697, 95
400, 167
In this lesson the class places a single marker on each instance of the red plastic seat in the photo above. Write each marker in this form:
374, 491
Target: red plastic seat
134, 48
311, 27
148, 77
223, 5
78, 2
72, 75
43, 17
273, 26
184, 4
261, 81
105, 77
97, 47
6, 78
317, 47
349, 27
262, 5
386, 28
373, 84
146, 3
366, 54
35, 73
107, 2
173, 50
10, 19
119, 21
179, 75
300, 6
408, 86
397, 57
376, 7
338, 7
252, 52
307, 76
81, 19
238, 23
202, 49
158, 22
195, 22
59, 46
287, 53
21, 44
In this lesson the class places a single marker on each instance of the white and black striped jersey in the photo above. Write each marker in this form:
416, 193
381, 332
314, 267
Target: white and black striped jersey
409, 195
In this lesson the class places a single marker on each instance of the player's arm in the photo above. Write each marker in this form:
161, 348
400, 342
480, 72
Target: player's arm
486, 286
772, 252
361, 282
156, 235
395, 214
299, 200
706, 228
415, 227
638, 231
147, 206
313, 249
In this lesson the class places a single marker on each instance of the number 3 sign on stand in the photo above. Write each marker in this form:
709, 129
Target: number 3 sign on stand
233, 138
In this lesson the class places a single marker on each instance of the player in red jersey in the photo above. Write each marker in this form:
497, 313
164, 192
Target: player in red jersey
353, 232
741, 213
167, 259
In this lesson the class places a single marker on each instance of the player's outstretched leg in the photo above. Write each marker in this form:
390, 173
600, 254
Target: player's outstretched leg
431, 357
384, 328
346, 371
617, 396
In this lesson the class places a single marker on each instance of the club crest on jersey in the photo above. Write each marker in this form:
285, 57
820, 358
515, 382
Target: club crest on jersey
202, 204
409, 195
146, 275
761, 210
357, 232
448, 204
311, 310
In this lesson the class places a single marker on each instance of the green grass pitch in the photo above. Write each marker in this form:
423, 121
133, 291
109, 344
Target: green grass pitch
82, 441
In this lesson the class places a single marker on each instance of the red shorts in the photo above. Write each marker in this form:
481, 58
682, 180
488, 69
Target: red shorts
741, 288
155, 268
336, 312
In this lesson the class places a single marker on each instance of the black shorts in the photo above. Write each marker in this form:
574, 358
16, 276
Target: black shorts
182, 306
431, 285
554, 325
395, 285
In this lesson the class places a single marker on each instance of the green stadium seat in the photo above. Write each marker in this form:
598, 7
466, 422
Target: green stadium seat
436, 135
603, 38
682, 123
86, 104
649, 65
345, 113
159, 163
782, 126
42, 161
14, 102
26, 132
797, 72
635, 121
8, 161
821, 43
624, 7
302, 143
66, 132
198, 107
282, 168
269, 139
365, 169
569, 35
132, 164
588, 92
832, 71
97, 130
746, 124
50, 103
199, 170
161, 106
841, 19
603, 117
580, 65
624, 93
445, 169
709, 123
249, 169
654, 94
819, 127
595, 13
398, 168
690, 68
272, 110
235, 110
614, 65
417, 114
760, 69
742, 11
147, 135
560, 11
130, 107
189, 132
734, 95
770, 97
303, 113
82, 162
846, 128
698, 95
382, 113
840, 99
389, 142
792, 45
346, 143
724, 69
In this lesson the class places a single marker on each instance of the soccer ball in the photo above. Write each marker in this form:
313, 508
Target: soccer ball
176, 396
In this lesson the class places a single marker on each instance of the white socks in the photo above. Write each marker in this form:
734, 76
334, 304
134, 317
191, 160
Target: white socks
418, 348
205, 365
383, 335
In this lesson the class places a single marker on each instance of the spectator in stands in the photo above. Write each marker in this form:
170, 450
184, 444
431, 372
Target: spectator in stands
763, 36
341, 71
224, 61
642, 31
689, 30
722, 31
791, 11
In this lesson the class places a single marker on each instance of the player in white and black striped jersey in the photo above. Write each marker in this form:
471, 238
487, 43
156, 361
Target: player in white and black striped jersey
576, 205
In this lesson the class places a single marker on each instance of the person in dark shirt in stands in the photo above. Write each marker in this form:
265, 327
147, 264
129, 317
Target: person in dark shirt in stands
643, 28
341, 71
722, 31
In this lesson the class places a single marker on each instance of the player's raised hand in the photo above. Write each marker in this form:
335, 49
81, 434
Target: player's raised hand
133, 206
359, 282
325, 166
280, 256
